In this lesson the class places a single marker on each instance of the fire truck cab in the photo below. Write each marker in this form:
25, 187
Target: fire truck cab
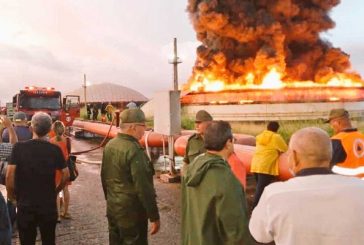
47, 99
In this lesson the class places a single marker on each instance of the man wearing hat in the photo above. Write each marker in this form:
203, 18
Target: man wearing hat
127, 181
195, 144
347, 143
20, 126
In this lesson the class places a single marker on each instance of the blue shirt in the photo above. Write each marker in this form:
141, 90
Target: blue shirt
23, 133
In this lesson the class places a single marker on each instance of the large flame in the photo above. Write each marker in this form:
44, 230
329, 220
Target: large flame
266, 45
271, 80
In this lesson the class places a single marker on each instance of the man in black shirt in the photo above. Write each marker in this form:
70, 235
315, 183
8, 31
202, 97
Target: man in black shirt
30, 182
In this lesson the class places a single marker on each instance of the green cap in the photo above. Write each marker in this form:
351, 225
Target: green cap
336, 113
132, 116
203, 116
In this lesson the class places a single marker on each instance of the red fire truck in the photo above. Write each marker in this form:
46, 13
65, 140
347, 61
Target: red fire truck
33, 99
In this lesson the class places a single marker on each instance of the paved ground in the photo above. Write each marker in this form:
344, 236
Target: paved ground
89, 225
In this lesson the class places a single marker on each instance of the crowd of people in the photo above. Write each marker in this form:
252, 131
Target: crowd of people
320, 204
35, 159
106, 110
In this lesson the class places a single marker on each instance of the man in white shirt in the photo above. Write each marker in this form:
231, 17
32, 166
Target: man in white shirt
316, 206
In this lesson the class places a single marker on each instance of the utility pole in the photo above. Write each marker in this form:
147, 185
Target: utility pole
84, 91
175, 61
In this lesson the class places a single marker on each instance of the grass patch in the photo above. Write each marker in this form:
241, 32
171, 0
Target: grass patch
287, 128
187, 123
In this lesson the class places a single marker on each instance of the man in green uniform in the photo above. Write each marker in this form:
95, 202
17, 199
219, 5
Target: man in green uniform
195, 143
127, 181
214, 209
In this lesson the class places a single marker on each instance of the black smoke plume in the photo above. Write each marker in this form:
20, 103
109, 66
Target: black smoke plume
243, 36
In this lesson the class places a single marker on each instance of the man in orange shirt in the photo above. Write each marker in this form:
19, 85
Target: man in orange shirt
348, 145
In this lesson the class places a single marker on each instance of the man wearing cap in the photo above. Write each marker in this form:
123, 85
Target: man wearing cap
347, 143
20, 126
127, 181
195, 144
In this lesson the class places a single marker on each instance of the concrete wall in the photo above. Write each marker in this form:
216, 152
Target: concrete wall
263, 112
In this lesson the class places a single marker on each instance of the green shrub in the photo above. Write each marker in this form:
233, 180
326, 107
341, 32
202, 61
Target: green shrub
187, 123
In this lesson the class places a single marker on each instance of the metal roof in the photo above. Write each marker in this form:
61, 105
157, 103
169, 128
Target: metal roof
109, 92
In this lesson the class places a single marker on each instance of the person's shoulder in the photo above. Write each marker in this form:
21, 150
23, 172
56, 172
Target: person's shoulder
5, 145
281, 188
193, 136
45, 144
123, 142
342, 179
277, 136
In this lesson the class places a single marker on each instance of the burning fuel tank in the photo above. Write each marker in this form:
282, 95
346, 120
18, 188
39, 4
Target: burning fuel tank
275, 104
262, 60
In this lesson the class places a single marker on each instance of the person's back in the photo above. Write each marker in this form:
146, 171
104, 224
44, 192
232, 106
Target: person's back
269, 146
214, 204
213, 201
352, 153
21, 128
127, 181
23, 133
316, 209
264, 163
36, 161
62, 144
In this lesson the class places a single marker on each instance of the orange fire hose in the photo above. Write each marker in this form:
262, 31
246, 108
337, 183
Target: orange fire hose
101, 144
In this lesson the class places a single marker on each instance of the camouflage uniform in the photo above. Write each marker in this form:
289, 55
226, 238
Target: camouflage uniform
127, 180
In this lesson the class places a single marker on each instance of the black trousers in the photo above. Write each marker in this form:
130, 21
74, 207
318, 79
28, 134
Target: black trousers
12, 212
262, 181
137, 235
28, 219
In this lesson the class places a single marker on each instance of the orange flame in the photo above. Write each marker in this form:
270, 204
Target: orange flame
271, 80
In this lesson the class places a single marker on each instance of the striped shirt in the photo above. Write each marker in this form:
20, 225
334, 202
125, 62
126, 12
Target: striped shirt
5, 151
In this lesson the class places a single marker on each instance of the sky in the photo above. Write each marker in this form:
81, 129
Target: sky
53, 43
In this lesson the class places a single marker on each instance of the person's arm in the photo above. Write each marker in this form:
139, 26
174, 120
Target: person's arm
338, 152
281, 144
13, 138
143, 182
68, 144
102, 174
10, 181
10, 173
61, 165
259, 225
64, 179
185, 158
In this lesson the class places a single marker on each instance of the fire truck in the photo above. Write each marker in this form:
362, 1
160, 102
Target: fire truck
46, 99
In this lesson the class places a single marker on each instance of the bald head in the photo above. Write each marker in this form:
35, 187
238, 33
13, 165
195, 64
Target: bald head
311, 148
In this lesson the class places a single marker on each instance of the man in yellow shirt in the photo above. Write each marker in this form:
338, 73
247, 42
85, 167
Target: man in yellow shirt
265, 159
